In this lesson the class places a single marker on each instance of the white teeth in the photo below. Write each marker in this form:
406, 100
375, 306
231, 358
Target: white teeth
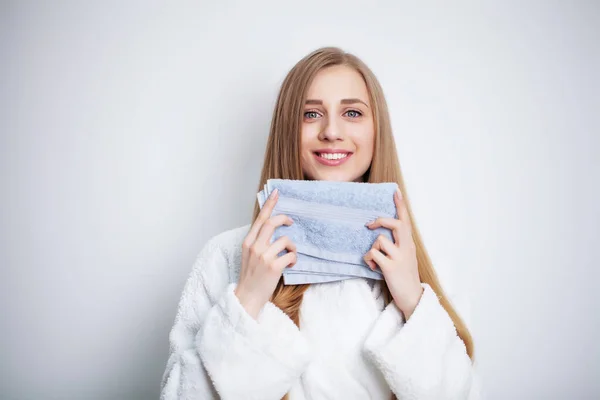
333, 156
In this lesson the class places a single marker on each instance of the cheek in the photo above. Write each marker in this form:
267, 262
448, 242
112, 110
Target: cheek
365, 139
309, 138
309, 133
304, 137
306, 143
365, 143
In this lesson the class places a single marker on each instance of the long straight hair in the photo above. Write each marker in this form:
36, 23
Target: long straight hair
282, 161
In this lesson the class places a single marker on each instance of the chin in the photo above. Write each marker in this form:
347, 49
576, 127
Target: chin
336, 176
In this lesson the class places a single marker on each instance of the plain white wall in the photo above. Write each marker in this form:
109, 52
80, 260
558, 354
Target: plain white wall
131, 132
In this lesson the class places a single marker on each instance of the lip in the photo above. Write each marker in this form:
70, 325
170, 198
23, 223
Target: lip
332, 151
332, 163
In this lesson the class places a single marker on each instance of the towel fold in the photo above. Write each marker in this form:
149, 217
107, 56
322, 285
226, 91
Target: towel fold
329, 226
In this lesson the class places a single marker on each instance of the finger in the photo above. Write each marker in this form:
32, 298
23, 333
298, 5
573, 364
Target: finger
288, 259
391, 223
377, 246
378, 257
371, 264
406, 237
406, 219
398, 203
402, 211
263, 215
267, 229
386, 246
283, 243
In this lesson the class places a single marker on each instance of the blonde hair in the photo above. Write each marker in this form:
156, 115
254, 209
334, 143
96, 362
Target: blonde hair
282, 160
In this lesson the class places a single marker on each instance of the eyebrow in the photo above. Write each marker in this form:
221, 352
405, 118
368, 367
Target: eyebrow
343, 101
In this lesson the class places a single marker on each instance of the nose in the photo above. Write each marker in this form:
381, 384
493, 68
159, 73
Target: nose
332, 131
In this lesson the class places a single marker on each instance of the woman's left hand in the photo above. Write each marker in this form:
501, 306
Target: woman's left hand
398, 261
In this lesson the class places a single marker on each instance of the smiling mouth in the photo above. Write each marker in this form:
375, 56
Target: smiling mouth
333, 156
332, 159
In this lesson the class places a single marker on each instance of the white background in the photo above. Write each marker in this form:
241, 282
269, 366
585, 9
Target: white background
131, 132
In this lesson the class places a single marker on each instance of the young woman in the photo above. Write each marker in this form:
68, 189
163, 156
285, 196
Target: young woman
241, 334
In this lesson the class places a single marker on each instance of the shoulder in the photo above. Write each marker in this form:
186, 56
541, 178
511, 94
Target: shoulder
228, 241
219, 260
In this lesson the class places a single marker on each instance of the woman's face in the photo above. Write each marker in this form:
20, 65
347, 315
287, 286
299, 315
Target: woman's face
337, 135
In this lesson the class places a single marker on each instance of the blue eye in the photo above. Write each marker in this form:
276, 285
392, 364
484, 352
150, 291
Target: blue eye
311, 114
356, 113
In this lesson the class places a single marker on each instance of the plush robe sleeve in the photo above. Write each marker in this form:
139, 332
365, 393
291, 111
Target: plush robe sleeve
422, 358
218, 351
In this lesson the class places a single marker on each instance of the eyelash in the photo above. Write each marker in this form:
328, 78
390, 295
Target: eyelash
316, 112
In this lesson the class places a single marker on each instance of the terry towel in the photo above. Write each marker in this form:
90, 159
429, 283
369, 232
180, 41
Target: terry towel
329, 226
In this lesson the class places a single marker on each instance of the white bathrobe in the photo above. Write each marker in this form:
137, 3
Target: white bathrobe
348, 346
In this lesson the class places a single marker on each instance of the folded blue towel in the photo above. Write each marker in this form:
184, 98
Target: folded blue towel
329, 226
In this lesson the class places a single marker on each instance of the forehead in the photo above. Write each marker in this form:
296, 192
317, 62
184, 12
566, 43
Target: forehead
338, 82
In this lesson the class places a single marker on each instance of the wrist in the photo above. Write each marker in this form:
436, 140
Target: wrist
410, 305
251, 306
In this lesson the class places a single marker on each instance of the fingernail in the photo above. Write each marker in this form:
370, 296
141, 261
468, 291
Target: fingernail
273, 193
399, 193
369, 223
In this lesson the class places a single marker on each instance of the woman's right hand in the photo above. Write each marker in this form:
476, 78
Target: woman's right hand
261, 267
